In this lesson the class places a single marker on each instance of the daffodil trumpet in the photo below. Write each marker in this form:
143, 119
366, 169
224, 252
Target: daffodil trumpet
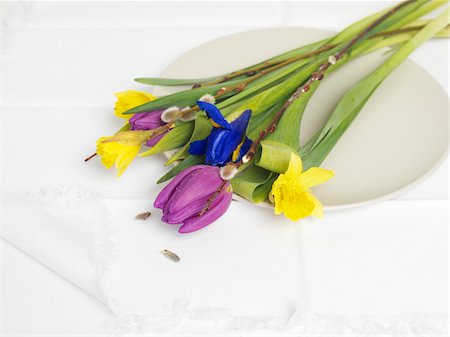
121, 149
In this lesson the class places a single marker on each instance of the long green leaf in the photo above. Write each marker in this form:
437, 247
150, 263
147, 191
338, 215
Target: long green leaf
175, 138
254, 183
288, 134
354, 100
266, 99
180, 99
274, 156
262, 120
173, 81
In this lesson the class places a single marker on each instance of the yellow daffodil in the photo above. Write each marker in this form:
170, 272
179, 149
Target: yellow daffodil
121, 149
130, 99
291, 191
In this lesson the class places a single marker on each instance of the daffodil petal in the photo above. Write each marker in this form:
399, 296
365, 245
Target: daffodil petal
129, 99
291, 194
108, 161
318, 208
315, 176
125, 158
295, 167
116, 153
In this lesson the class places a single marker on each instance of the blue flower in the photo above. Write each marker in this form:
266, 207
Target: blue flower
227, 141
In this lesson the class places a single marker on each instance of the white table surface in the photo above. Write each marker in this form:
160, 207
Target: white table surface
62, 62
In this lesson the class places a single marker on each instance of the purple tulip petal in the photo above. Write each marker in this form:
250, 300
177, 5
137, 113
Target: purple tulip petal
198, 185
146, 121
218, 208
187, 211
167, 191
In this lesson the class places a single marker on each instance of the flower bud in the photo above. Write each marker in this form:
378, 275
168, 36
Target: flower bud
228, 171
332, 59
148, 121
171, 114
190, 116
245, 159
208, 99
195, 198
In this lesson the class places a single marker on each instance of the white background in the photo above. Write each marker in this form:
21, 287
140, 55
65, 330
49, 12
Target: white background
62, 61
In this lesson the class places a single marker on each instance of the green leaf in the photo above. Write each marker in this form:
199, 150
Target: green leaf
175, 138
280, 92
180, 99
288, 128
267, 98
187, 162
174, 81
202, 129
354, 100
274, 156
362, 24
299, 51
424, 8
262, 120
254, 183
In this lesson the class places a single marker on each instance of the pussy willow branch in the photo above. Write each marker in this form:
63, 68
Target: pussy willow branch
316, 76
251, 71
275, 65
262, 69
268, 67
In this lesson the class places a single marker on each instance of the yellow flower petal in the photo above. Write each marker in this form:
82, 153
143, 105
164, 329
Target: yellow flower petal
125, 158
318, 208
295, 167
116, 153
130, 99
290, 192
315, 176
299, 208
133, 138
277, 188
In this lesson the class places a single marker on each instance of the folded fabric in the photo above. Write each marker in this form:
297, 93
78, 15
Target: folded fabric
248, 265
66, 228
246, 272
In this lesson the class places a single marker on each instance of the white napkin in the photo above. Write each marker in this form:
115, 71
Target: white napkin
243, 269
246, 272
64, 227
247, 265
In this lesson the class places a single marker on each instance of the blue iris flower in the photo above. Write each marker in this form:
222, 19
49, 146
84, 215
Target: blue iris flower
227, 141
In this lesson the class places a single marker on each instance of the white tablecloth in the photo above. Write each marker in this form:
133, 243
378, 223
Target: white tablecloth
377, 269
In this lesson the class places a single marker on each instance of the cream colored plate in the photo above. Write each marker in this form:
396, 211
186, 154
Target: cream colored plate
398, 139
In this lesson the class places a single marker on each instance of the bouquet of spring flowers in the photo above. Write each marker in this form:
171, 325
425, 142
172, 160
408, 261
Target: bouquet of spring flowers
240, 132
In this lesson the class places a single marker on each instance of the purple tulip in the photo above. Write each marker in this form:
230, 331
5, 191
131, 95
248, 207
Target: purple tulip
148, 121
187, 194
